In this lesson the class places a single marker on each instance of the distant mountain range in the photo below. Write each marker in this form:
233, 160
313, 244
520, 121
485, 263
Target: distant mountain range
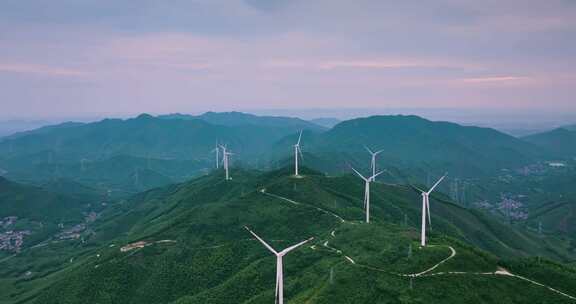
408, 143
559, 142
167, 137
411, 141
233, 119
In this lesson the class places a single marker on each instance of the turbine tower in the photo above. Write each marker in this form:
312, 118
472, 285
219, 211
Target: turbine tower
279, 265
426, 210
297, 151
226, 161
83, 164
367, 192
373, 161
217, 151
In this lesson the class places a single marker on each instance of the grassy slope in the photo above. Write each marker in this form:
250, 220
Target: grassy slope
213, 260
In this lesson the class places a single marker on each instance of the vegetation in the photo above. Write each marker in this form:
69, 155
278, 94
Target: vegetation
198, 252
560, 142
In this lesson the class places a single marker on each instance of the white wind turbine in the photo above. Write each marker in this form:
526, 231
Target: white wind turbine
217, 151
83, 164
426, 210
373, 161
367, 192
279, 265
297, 151
226, 160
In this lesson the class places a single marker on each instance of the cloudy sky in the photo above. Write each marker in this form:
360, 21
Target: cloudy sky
103, 57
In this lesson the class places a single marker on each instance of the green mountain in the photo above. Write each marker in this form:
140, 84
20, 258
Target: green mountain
120, 173
414, 142
109, 153
193, 249
37, 204
232, 119
71, 188
560, 142
144, 136
45, 129
32, 216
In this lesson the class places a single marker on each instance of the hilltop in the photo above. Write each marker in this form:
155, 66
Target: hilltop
559, 142
110, 152
411, 142
232, 119
193, 248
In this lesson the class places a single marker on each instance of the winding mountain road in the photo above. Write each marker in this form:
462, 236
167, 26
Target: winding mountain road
426, 273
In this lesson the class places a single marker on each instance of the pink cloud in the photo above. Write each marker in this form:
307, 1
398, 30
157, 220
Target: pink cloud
496, 79
356, 62
39, 70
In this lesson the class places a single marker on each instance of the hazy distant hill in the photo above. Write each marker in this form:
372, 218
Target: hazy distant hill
44, 130
560, 142
9, 127
326, 122
195, 249
413, 141
73, 189
243, 119
144, 136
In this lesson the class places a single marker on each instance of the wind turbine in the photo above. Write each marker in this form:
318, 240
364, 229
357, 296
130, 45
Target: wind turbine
83, 164
373, 162
426, 210
297, 151
226, 160
217, 151
367, 192
279, 265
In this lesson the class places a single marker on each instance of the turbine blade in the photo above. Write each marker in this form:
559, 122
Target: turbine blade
369, 151
375, 175
300, 152
261, 241
285, 251
437, 183
299, 138
378, 152
418, 189
362, 176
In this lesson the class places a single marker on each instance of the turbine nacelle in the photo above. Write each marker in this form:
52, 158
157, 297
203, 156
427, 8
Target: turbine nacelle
372, 152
